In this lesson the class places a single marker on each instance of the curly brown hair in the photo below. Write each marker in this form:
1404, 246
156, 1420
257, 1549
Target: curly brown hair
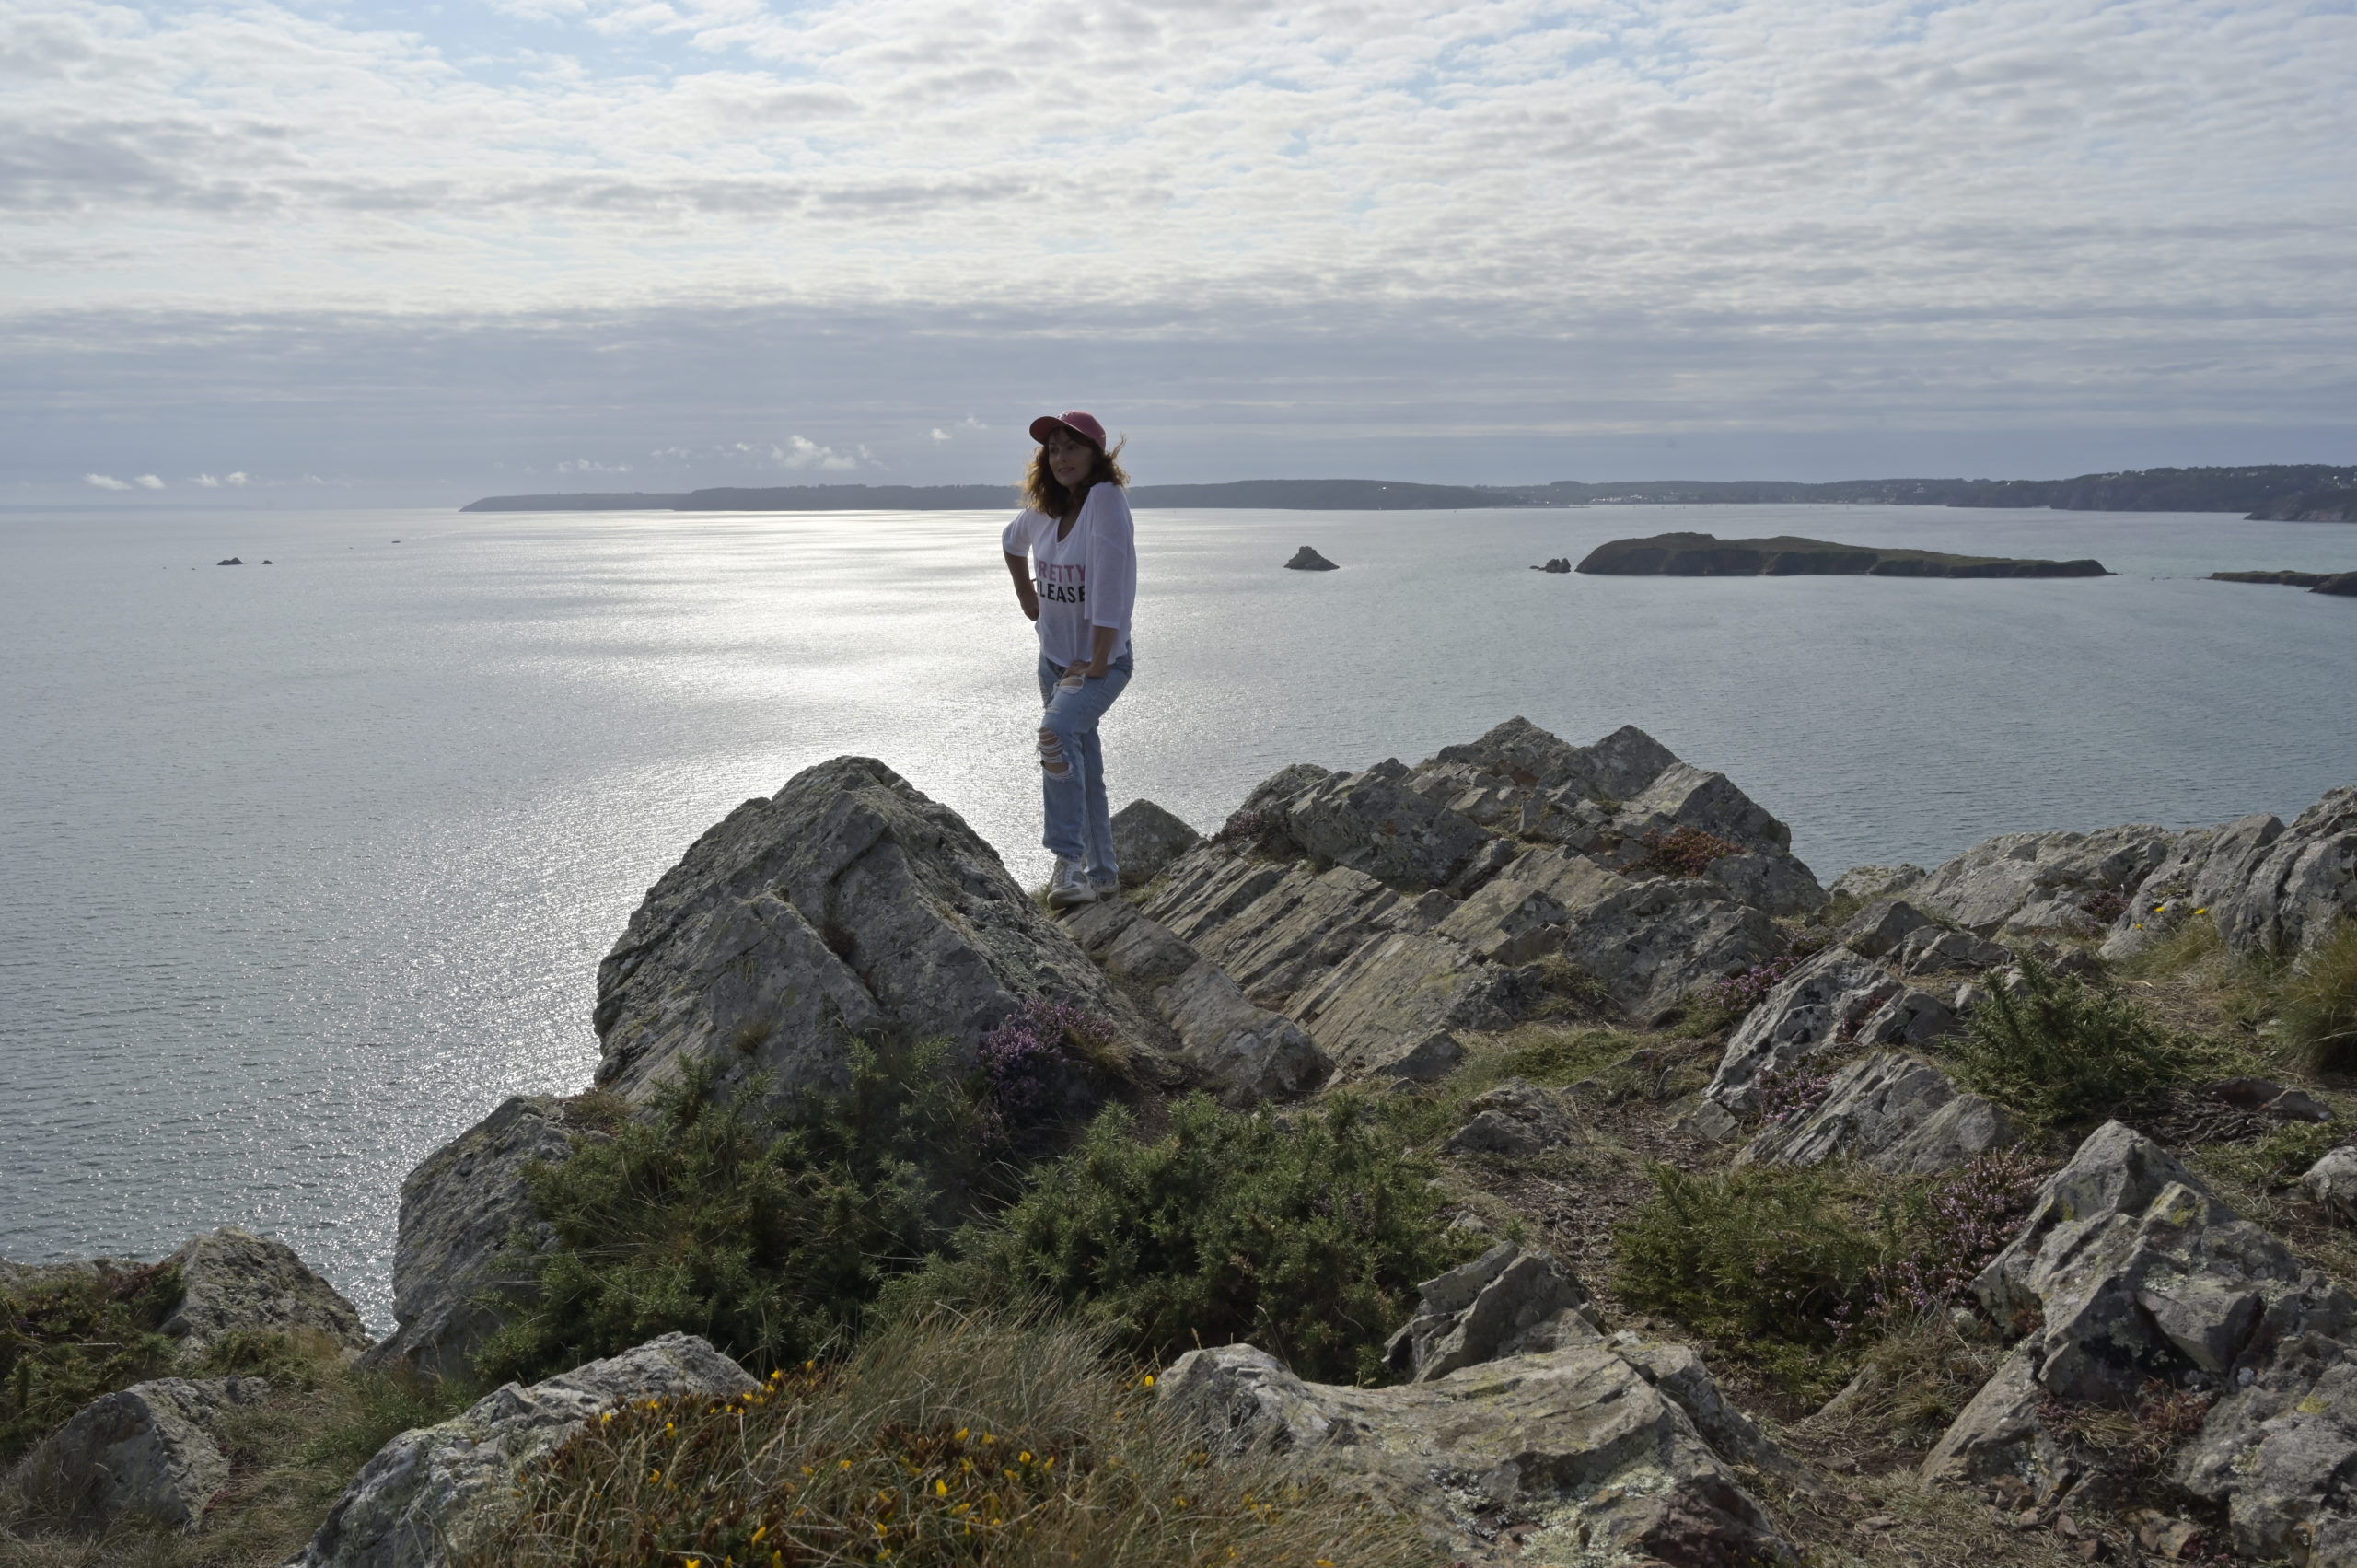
1041, 489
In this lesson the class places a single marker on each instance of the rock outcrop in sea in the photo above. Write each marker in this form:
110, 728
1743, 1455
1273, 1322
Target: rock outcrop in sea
1705, 556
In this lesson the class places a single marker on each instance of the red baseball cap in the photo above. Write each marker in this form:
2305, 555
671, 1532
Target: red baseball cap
1085, 426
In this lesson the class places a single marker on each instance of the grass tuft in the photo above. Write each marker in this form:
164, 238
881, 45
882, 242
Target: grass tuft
943, 1440
2317, 1012
67, 1340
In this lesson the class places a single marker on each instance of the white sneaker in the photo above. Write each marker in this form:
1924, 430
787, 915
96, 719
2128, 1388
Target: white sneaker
1070, 886
1106, 885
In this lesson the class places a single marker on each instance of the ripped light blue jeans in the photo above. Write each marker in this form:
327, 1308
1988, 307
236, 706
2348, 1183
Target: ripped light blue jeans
1080, 822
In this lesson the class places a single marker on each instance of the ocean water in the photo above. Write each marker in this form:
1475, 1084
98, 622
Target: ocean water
308, 865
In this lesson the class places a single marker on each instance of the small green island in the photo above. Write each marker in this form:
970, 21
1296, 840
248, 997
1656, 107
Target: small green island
1705, 556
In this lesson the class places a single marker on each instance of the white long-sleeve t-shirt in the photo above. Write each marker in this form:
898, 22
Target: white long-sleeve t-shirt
1086, 579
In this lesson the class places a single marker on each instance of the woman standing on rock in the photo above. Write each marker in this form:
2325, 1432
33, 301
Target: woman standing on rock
1072, 554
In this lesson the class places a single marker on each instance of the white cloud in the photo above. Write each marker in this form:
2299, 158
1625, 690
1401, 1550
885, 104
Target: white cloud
104, 481
584, 465
149, 481
801, 452
207, 481
939, 434
235, 478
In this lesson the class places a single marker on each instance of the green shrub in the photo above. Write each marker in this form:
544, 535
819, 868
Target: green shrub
1765, 1252
2064, 1053
943, 1440
67, 1340
1306, 1241
2318, 1016
767, 1230
1790, 1267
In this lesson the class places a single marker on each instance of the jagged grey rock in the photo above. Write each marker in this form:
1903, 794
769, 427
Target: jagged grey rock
2055, 881
1516, 1118
461, 1208
1892, 1113
1875, 931
1506, 1302
149, 1451
2332, 1181
1577, 1441
1393, 1008
1911, 1017
1932, 951
1683, 796
1867, 883
1147, 839
1776, 884
2304, 884
2205, 865
238, 1282
1372, 822
431, 1495
1998, 1433
1816, 1007
2134, 1274
1659, 945
845, 904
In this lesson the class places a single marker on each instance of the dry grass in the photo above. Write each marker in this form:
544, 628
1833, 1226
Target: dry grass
290, 1457
944, 1439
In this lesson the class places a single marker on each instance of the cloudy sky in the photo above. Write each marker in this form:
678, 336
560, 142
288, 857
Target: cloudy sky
419, 252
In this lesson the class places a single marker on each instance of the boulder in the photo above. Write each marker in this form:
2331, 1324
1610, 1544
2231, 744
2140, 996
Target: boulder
1506, 1302
2303, 883
1308, 559
1578, 1443
424, 1501
1820, 1004
1147, 839
1867, 883
461, 1208
1892, 1113
844, 905
2332, 1181
1372, 822
1517, 1118
151, 1451
237, 1281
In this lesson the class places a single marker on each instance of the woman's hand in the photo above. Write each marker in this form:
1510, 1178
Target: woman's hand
1019, 568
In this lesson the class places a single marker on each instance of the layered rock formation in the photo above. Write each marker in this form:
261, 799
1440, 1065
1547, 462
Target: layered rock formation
1384, 911
2272, 889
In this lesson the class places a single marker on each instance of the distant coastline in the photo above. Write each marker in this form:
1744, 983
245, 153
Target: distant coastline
2267, 492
